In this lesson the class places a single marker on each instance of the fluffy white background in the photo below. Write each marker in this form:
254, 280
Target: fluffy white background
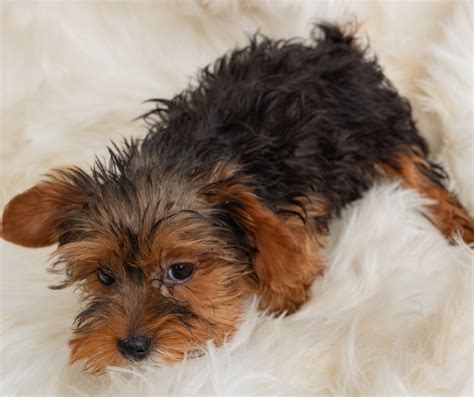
393, 314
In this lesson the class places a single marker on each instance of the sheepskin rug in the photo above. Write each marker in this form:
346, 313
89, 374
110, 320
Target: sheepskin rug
393, 313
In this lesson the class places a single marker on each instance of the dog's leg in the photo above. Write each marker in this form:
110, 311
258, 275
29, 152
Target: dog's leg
417, 172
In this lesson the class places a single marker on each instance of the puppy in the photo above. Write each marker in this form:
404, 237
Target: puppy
229, 194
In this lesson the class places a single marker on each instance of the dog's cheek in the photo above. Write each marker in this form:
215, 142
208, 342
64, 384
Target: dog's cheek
176, 339
215, 294
96, 344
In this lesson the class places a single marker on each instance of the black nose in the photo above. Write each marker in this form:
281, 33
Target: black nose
134, 348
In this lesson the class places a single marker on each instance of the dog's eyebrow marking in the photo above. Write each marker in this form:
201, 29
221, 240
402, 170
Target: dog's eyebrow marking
192, 212
171, 306
154, 228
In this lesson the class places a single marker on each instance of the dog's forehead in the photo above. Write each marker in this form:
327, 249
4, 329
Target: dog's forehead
142, 196
137, 239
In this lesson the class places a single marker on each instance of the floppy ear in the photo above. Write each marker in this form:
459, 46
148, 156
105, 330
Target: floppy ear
287, 258
34, 217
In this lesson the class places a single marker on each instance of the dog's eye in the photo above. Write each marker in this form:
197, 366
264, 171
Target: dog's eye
180, 272
105, 277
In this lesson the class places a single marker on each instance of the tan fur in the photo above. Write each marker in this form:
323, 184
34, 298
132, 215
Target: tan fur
447, 214
214, 295
287, 260
32, 218
286, 263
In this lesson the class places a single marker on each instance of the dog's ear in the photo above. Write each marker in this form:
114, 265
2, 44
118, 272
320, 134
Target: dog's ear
286, 261
34, 217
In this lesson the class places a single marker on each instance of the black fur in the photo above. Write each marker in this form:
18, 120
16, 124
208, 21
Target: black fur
298, 119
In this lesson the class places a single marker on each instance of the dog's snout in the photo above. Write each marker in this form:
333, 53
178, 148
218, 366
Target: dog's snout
136, 347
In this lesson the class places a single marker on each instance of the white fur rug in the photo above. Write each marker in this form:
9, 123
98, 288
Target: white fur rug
392, 315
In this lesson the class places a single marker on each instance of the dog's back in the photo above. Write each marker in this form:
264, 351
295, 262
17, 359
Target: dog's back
317, 119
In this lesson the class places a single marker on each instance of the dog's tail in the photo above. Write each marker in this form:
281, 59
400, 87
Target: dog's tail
335, 34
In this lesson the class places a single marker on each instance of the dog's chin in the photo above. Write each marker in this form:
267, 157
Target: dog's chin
97, 366
100, 364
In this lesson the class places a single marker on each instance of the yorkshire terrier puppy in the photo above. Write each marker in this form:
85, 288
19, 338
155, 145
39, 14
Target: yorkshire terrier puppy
229, 194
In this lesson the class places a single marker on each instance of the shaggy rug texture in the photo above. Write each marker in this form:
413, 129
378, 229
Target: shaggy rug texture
393, 313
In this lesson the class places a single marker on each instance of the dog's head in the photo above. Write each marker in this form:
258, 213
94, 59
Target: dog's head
164, 262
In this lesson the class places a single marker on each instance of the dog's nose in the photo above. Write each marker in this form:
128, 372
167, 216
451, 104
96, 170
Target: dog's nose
134, 348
